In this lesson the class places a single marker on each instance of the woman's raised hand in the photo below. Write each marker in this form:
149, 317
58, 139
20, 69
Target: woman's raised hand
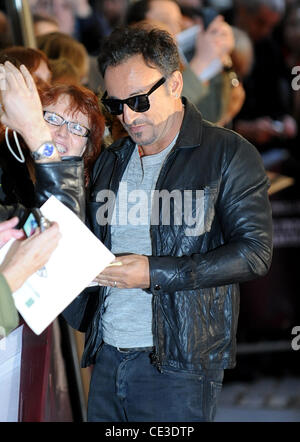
21, 108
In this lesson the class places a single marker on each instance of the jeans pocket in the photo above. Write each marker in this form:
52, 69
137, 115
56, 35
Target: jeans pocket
184, 375
213, 393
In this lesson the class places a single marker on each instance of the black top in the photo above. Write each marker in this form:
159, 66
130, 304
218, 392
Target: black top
16, 185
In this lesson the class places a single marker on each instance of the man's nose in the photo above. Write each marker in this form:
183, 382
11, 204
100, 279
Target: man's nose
128, 115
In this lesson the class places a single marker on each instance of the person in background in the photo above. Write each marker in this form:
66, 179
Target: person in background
5, 31
243, 53
288, 38
24, 258
86, 30
242, 59
259, 17
263, 119
113, 11
58, 45
43, 24
61, 10
35, 60
64, 72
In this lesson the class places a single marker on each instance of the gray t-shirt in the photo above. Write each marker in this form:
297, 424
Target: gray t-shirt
127, 319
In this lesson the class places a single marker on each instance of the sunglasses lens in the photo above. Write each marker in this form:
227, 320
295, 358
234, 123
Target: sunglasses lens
140, 103
115, 107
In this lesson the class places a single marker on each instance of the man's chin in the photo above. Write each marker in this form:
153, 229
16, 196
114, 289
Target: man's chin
136, 135
139, 138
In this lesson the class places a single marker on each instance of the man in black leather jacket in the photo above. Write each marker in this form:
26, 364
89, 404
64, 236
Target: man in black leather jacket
168, 368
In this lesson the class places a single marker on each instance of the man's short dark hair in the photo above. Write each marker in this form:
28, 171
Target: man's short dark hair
157, 47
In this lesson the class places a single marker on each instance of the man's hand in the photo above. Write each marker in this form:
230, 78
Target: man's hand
7, 231
133, 272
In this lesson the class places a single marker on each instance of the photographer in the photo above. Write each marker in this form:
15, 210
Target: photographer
24, 258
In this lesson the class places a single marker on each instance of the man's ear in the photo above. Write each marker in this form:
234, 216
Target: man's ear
176, 84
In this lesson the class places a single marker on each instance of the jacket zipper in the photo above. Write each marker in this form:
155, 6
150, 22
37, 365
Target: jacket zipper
155, 357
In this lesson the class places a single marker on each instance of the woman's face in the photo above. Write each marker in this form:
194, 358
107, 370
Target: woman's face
67, 143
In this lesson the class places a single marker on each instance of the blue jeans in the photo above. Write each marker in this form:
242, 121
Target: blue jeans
126, 387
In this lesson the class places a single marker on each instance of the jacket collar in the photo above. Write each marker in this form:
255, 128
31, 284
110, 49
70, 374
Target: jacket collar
190, 134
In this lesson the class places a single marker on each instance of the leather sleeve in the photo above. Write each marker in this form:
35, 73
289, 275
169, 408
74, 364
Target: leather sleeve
244, 211
7, 212
63, 179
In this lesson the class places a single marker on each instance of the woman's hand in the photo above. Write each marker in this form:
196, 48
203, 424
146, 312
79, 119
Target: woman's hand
21, 105
27, 256
7, 230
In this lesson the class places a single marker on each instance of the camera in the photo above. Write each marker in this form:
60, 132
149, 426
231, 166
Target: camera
35, 220
208, 15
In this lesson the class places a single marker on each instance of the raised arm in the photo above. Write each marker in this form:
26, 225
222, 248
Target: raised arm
21, 110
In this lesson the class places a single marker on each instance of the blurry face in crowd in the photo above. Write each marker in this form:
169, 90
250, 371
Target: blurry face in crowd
292, 32
166, 12
67, 143
114, 10
153, 128
45, 27
43, 72
260, 24
62, 10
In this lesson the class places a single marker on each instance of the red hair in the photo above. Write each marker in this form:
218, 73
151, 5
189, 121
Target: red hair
30, 57
85, 101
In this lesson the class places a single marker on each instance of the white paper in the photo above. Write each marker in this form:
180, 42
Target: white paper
10, 375
77, 260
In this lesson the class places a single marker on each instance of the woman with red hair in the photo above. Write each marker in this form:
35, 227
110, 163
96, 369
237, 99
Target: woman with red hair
75, 121
77, 126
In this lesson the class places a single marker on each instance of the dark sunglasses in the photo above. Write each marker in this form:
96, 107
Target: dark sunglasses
137, 103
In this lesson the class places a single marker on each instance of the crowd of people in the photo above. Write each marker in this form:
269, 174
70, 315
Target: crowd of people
237, 67
137, 74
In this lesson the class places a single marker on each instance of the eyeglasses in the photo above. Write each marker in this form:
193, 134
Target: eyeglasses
137, 103
73, 127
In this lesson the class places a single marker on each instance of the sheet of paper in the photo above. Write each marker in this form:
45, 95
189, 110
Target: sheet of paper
78, 259
10, 375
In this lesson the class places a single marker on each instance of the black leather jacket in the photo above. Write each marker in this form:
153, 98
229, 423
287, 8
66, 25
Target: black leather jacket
63, 179
194, 279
